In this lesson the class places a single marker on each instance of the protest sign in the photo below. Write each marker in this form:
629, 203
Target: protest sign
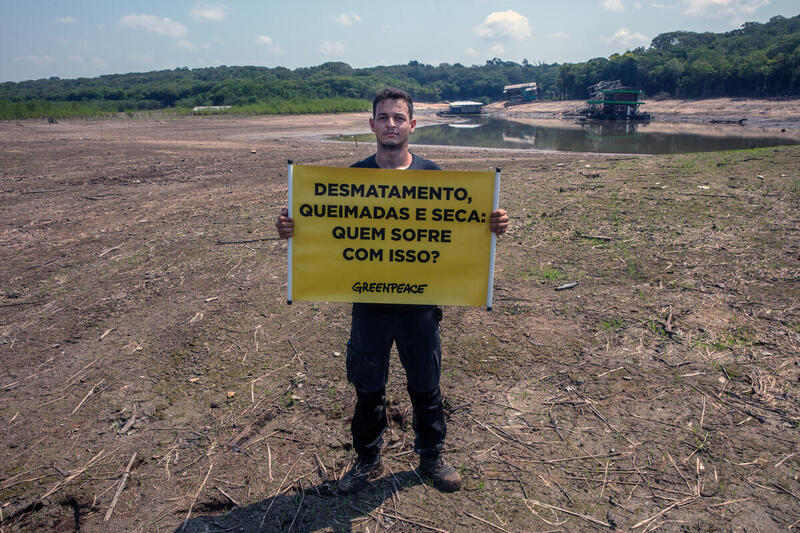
391, 236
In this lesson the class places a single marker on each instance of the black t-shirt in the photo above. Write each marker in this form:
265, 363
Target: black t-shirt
417, 163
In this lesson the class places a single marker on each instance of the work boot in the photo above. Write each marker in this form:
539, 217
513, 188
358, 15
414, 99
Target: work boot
362, 472
443, 476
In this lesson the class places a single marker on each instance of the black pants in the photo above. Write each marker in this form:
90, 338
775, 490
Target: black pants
415, 330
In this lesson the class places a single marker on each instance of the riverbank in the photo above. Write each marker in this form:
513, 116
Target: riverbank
760, 113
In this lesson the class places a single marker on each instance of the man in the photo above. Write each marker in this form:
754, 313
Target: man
414, 328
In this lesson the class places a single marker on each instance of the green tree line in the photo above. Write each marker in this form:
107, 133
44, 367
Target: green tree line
758, 60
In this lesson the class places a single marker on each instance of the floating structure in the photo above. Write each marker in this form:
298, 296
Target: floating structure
520, 93
464, 108
211, 108
465, 126
613, 101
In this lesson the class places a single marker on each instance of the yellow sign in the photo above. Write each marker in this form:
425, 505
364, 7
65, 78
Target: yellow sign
391, 236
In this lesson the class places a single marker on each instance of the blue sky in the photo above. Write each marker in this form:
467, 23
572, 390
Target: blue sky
78, 38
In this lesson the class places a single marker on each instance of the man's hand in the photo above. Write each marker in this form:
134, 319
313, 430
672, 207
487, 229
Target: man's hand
285, 225
499, 221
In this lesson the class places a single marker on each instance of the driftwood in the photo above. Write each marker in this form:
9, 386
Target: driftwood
571, 513
72, 476
43, 191
479, 519
249, 240
113, 248
120, 488
194, 500
15, 304
566, 286
596, 237
723, 121
91, 391
127, 425
251, 428
45, 263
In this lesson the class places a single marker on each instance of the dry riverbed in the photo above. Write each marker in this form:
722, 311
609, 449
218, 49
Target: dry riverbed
152, 371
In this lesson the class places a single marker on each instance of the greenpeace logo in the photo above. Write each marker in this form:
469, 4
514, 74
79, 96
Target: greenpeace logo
362, 287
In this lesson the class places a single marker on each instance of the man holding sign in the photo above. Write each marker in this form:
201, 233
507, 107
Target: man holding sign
414, 329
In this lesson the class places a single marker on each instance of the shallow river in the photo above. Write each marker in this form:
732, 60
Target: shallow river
603, 137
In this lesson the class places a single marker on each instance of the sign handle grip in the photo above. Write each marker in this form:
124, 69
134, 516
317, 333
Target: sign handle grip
495, 206
289, 251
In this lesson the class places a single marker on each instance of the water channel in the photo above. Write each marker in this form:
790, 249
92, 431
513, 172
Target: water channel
601, 137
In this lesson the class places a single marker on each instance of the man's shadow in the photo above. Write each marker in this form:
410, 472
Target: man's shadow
313, 508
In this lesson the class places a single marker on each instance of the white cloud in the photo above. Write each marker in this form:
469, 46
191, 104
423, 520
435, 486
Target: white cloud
723, 8
204, 11
331, 48
613, 5
66, 20
497, 50
471, 52
36, 60
274, 48
187, 45
560, 35
625, 37
164, 26
347, 19
503, 25
99, 63
140, 58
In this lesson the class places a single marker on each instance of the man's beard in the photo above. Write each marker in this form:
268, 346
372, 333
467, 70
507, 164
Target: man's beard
392, 146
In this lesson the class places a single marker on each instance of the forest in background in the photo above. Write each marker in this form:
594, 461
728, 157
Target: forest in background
756, 60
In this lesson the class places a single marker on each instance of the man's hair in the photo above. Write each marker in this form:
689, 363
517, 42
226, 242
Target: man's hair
391, 93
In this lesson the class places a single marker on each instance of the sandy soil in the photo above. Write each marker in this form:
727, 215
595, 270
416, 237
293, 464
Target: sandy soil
777, 114
148, 352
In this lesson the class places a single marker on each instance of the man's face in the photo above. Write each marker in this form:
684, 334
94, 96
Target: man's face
391, 124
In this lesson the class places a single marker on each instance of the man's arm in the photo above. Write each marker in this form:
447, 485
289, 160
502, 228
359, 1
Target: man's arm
285, 225
498, 221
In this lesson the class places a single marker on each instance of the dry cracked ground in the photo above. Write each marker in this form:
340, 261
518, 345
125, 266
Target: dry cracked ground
154, 379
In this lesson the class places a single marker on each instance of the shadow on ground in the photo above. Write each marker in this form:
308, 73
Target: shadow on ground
314, 508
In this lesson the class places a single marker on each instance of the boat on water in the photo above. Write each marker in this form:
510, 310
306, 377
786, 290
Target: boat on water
611, 100
463, 109
520, 93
